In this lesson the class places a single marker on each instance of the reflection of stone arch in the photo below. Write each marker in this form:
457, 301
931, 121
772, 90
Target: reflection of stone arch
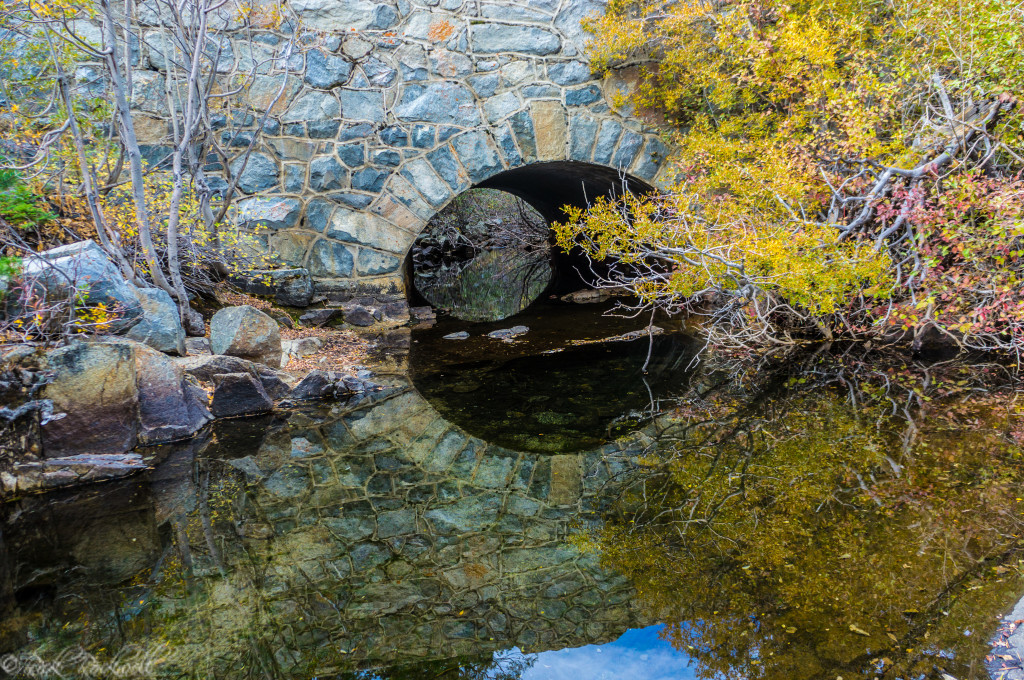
446, 543
420, 435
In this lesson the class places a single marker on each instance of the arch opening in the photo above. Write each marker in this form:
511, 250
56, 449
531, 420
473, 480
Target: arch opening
513, 263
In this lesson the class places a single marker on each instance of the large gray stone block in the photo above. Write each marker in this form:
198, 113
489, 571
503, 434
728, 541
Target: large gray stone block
289, 287
329, 258
477, 155
438, 103
160, 325
372, 263
362, 105
259, 174
326, 174
246, 332
313, 106
271, 212
325, 71
494, 38
423, 177
351, 15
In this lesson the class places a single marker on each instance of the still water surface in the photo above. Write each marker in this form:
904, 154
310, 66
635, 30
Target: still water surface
816, 518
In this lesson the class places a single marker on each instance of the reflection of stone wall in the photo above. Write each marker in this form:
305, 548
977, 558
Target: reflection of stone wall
386, 536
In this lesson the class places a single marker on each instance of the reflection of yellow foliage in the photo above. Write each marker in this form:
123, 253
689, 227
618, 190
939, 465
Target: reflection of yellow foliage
771, 529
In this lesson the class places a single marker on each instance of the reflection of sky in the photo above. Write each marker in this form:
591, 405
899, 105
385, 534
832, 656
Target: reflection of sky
637, 655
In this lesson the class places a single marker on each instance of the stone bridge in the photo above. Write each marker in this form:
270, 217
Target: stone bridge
399, 106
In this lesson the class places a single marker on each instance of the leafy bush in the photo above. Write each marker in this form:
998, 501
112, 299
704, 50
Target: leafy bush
841, 168
19, 205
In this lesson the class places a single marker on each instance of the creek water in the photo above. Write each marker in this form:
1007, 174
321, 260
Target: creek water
544, 509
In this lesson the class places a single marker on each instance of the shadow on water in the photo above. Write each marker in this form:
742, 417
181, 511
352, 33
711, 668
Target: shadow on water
571, 400
817, 518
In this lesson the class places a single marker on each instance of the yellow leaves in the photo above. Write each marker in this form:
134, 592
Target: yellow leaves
267, 15
800, 262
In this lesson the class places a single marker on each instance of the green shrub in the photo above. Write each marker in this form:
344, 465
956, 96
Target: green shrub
19, 206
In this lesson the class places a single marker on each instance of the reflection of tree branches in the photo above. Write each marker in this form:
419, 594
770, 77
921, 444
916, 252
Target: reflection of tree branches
481, 220
490, 287
789, 464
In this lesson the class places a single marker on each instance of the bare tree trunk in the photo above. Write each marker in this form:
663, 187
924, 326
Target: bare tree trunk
131, 146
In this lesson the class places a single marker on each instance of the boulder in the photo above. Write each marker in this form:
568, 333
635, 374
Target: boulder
238, 394
170, 406
207, 368
146, 315
248, 333
116, 394
508, 333
83, 266
300, 347
95, 386
160, 326
195, 346
316, 385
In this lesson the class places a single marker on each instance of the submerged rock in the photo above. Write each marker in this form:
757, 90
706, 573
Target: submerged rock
461, 335
590, 295
248, 333
320, 384
55, 473
509, 333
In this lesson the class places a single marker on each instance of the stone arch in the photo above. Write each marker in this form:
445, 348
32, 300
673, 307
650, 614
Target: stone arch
547, 161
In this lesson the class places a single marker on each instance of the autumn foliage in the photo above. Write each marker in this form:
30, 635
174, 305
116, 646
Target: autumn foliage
841, 169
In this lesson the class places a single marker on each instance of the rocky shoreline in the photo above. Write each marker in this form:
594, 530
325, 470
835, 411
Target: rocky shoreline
103, 399
76, 413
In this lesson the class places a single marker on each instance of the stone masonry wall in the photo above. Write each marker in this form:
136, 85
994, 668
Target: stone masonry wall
390, 109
